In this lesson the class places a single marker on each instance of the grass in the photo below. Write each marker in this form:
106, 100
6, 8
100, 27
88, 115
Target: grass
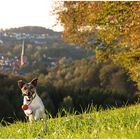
113, 123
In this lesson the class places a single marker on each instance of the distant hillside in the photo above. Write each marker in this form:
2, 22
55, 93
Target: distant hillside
45, 43
36, 35
32, 30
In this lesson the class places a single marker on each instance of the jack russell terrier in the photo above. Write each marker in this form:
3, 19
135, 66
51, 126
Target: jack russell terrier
32, 104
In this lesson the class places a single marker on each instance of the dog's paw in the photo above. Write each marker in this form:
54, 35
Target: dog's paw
28, 112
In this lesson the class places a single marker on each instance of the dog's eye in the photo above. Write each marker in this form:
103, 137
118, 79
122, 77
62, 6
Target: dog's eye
23, 94
25, 88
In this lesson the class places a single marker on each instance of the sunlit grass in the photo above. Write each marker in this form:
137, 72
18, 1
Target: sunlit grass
113, 123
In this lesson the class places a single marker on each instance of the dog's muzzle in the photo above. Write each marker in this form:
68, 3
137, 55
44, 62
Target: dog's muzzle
29, 96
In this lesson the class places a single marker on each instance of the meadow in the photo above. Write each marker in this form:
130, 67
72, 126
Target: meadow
112, 123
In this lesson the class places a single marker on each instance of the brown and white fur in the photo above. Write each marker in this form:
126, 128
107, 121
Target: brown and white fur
36, 109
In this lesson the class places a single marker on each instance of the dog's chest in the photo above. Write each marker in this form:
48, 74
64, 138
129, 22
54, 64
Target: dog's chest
35, 104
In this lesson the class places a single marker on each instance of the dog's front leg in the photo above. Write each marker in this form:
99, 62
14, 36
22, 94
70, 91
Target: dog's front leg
31, 118
29, 114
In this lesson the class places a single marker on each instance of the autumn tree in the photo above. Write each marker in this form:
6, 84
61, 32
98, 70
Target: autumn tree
110, 28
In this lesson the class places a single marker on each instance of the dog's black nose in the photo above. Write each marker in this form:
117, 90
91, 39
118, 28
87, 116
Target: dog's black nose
29, 94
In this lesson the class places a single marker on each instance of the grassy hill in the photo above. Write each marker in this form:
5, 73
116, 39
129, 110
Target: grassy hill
113, 123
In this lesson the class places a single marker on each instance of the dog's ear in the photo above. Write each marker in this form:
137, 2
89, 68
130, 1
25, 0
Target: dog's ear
20, 84
34, 82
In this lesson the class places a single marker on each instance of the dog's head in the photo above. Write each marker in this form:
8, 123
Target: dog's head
28, 89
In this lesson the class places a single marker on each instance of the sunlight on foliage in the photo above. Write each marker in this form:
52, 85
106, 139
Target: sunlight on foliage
110, 28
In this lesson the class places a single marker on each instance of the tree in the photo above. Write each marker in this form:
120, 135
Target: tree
110, 28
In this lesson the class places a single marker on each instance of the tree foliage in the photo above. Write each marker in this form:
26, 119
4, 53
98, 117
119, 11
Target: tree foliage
110, 28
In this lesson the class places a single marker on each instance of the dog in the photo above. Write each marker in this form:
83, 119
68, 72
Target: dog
36, 109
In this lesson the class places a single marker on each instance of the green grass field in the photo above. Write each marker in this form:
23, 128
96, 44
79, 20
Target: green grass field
113, 123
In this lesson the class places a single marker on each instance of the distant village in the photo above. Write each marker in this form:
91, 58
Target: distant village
9, 65
39, 39
13, 65
37, 36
